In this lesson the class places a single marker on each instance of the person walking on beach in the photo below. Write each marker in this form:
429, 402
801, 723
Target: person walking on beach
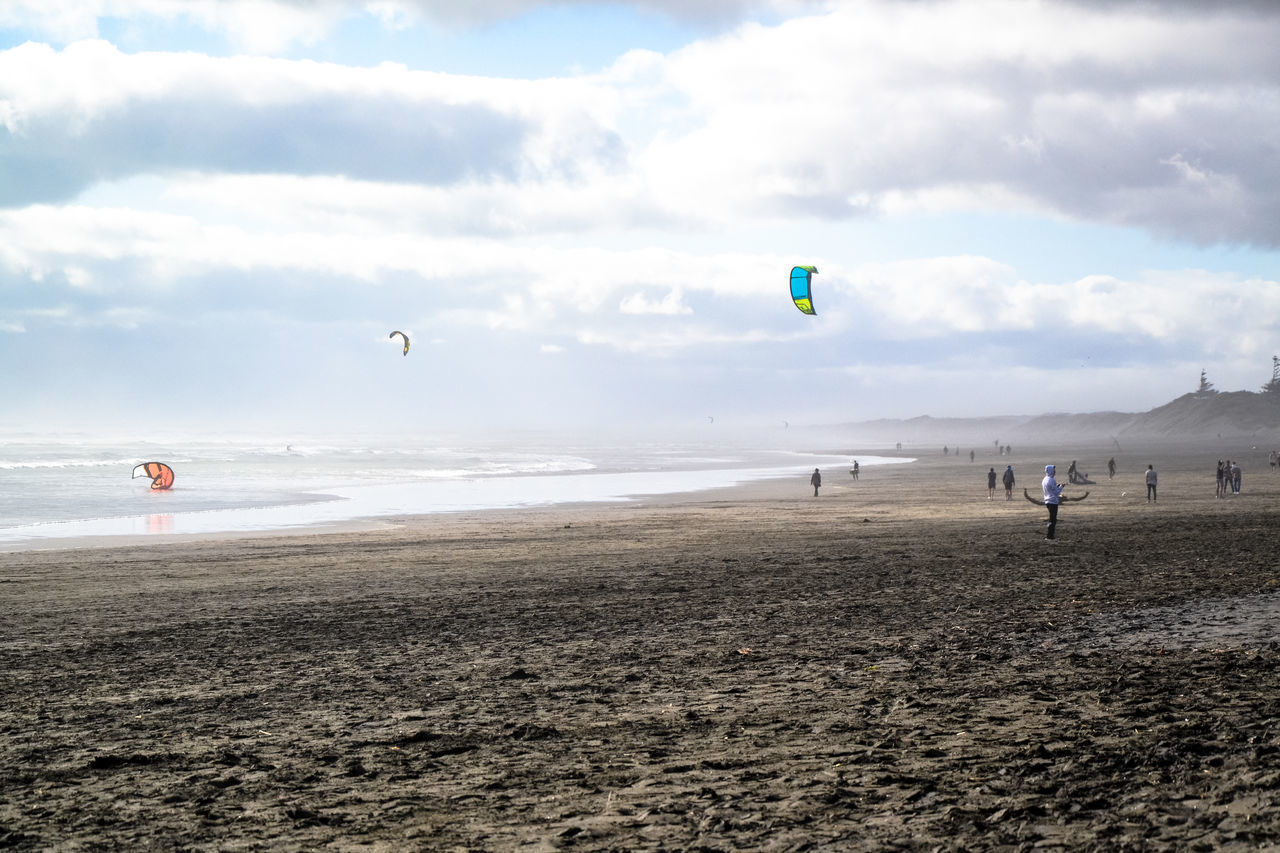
1111, 468
1151, 484
991, 484
1235, 478
1052, 494
815, 481
1008, 482
1221, 491
854, 469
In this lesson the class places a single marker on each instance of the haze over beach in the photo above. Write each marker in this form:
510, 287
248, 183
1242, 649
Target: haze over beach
465, 332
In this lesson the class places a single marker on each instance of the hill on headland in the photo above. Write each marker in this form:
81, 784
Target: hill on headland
1211, 416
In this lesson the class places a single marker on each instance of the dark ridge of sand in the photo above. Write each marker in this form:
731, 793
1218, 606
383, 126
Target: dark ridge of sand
897, 664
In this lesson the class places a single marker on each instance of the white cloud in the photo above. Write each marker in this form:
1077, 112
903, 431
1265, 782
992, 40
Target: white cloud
662, 341
1020, 104
61, 20
90, 113
644, 301
670, 304
871, 108
255, 25
935, 296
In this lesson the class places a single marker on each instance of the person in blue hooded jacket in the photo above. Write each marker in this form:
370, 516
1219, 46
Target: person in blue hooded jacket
1052, 494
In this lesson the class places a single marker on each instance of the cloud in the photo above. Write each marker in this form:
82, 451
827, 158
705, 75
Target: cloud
627, 299
90, 113
258, 26
268, 26
670, 304
871, 109
1025, 105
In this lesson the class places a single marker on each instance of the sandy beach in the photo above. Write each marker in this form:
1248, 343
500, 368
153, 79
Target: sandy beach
899, 663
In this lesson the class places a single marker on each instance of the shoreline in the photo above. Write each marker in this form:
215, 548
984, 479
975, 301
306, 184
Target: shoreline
1172, 458
372, 507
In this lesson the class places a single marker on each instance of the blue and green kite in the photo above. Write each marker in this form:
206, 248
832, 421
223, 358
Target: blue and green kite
801, 289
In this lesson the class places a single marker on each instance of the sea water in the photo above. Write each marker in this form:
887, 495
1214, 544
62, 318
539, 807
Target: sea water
56, 488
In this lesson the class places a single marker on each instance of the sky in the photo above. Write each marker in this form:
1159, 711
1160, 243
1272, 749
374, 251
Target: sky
213, 213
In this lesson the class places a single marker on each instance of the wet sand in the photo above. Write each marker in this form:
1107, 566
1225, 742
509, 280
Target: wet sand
897, 664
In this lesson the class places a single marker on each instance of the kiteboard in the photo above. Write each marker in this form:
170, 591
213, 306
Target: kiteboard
1027, 495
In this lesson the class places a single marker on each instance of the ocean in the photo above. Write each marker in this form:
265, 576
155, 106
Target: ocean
57, 488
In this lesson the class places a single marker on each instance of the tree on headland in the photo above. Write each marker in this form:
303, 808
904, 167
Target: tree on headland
1274, 384
1206, 387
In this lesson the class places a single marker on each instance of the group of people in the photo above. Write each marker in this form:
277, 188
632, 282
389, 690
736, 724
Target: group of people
815, 479
1051, 489
1007, 478
1228, 481
1228, 478
1076, 476
1005, 450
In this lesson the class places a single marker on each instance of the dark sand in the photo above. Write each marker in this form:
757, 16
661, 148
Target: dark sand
898, 664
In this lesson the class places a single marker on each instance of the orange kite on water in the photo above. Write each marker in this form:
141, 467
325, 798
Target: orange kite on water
161, 474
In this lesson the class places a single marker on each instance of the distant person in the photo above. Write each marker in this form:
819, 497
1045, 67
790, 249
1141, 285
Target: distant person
1111, 468
854, 469
991, 484
1221, 490
1235, 478
1052, 494
970, 455
946, 450
815, 481
1008, 482
1151, 484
